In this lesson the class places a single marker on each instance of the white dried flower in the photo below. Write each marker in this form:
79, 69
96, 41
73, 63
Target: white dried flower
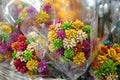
58, 27
69, 43
32, 46
112, 76
20, 56
80, 36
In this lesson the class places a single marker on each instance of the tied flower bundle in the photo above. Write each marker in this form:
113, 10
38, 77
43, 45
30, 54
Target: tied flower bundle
26, 60
106, 65
69, 41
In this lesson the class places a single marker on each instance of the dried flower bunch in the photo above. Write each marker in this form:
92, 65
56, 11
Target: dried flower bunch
25, 58
106, 64
69, 41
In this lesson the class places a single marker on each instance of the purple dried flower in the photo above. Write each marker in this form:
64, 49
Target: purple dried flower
8, 43
58, 21
3, 48
47, 8
42, 66
61, 34
31, 11
13, 36
86, 43
60, 52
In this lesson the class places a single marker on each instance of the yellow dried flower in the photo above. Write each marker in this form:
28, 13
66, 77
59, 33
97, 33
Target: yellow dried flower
51, 48
77, 24
30, 73
52, 36
2, 23
42, 17
102, 58
79, 59
71, 33
23, 14
112, 53
1, 57
32, 65
6, 28
117, 59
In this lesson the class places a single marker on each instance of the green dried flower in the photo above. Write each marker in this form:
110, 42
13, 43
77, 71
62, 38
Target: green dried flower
107, 67
14, 54
18, 21
108, 43
57, 44
66, 25
116, 45
87, 29
69, 53
27, 55
4, 37
27, 41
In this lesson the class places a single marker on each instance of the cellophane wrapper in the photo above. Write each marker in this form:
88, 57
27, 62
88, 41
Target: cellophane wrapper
29, 42
65, 39
106, 64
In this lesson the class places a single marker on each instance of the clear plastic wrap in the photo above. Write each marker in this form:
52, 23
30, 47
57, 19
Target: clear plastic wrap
72, 35
106, 64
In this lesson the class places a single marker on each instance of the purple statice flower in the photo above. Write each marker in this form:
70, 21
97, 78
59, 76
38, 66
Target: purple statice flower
14, 36
86, 43
47, 8
61, 34
42, 66
31, 11
60, 52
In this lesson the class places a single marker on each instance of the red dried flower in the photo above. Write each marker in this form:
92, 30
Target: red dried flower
95, 64
21, 38
117, 49
103, 50
21, 46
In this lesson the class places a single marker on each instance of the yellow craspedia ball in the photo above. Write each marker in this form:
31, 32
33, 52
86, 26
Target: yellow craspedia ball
6, 28
79, 58
51, 48
52, 36
32, 65
71, 33
77, 24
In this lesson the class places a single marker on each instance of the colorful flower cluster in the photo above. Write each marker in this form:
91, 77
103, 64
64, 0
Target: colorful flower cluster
25, 57
106, 64
70, 40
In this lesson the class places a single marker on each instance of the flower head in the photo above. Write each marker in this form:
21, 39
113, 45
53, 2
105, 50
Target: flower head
47, 8
52, 36
58, 27
69, 53
69, 43
32, 65
71, 33
21, 38
61, 34
79, 58
27, 55
77, 24
66, 25
6, 28
57, 44
60, 52
80, 36
42, 66
87, 29
112, 76
42, 17
23, 14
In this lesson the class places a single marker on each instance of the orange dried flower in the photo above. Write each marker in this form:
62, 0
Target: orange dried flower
117, 49
52, 27
95, 64
7, 55
103, 50
14, 45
